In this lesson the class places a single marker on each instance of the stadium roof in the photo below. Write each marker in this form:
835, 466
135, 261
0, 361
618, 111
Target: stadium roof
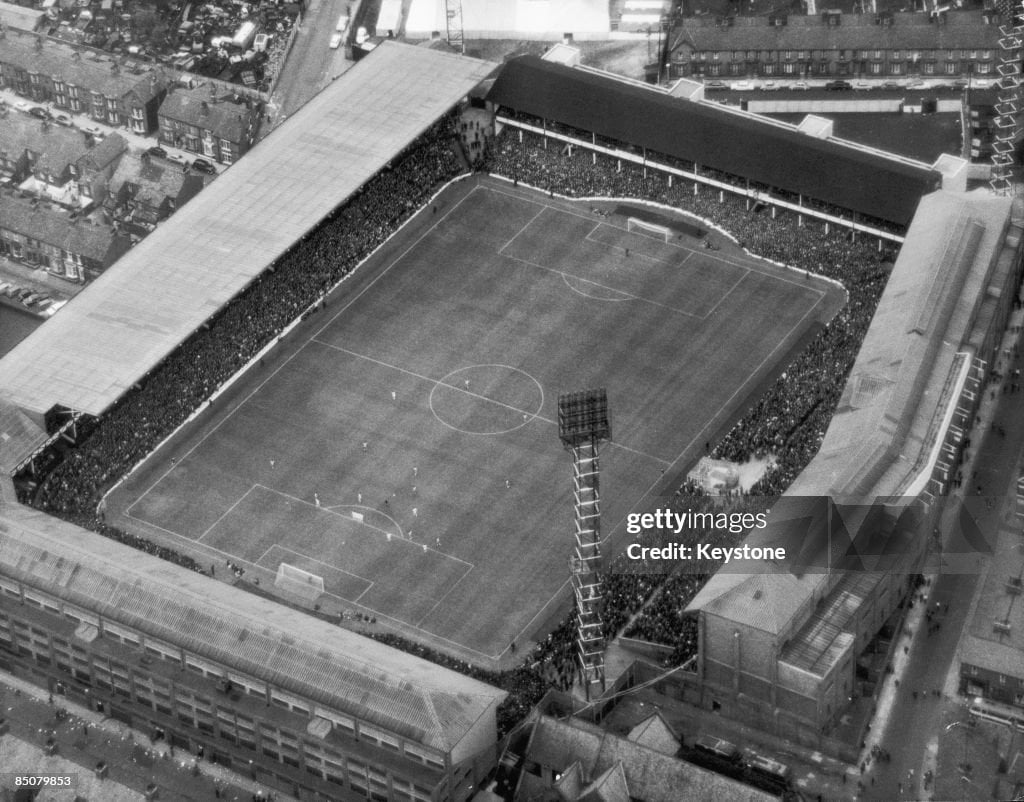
340, 669
884, 429
711, 135
119, 328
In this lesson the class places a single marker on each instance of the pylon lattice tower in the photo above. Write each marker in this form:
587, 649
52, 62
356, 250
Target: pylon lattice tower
583, 424
1008, 105
453, 19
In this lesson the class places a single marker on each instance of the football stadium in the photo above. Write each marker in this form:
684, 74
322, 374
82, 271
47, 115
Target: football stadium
300, 448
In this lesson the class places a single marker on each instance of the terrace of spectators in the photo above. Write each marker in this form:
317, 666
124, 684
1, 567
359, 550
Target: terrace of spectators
122, 326
296, 652
779, 158
889, 431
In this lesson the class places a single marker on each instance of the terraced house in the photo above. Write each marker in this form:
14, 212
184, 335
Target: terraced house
81, 81
950, 44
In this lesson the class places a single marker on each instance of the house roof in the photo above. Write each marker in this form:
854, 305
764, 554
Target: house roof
882, 435
79, 67
100, 156
712, 135
55, 228
655, 733
130, 318
56, 145
17, 16
154, 179
962, 30
649, 774
335, 667
223, 117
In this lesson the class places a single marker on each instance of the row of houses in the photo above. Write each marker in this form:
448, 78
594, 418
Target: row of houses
139, 97
951, 44
73, 205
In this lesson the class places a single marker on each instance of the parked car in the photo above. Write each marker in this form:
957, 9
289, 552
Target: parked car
802, 86
40, 112
770, 86
862, 86
63, 119
177, 158
892, 85
916, 83
838, 86
157, 151
961, 83
715, 86
336, 40
743, 86
21, 105
94, 131
204, 166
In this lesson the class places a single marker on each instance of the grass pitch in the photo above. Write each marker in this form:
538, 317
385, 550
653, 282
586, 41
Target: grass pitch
404, 446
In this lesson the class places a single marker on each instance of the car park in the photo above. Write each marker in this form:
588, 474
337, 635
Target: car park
204, 166
838, 86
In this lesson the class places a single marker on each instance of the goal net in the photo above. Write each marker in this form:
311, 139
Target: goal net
637, 226
295, 579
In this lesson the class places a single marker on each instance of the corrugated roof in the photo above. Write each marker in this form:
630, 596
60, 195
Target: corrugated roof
963, 30
712, 136
129, 319
18, 436
330, 665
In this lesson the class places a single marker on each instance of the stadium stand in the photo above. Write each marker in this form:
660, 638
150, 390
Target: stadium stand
709, 135
118, 329
209, 665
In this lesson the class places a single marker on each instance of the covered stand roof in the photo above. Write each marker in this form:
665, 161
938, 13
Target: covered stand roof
119, 328
883, 433
713, 136
338, 668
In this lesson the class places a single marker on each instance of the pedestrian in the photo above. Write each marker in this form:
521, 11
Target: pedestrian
365, 446
316, 499
393, 395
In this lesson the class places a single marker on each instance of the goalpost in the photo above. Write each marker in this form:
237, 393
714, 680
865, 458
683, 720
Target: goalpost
295, 579
636, 225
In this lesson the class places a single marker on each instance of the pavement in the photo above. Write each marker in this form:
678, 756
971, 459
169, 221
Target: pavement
84, 738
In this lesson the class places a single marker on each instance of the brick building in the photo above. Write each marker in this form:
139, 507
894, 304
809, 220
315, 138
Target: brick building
201, 121
81, 81
780, 648
145, 190
951, 45
40, 235
306, 706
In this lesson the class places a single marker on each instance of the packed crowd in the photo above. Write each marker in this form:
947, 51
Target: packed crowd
790, 419
212, 355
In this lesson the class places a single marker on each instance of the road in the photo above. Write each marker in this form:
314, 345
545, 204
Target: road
311, 64
914, 724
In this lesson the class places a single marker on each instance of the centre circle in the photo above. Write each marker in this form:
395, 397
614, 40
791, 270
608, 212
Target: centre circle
486, 399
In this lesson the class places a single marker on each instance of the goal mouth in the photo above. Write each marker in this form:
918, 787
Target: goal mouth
297, 580
634, 225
